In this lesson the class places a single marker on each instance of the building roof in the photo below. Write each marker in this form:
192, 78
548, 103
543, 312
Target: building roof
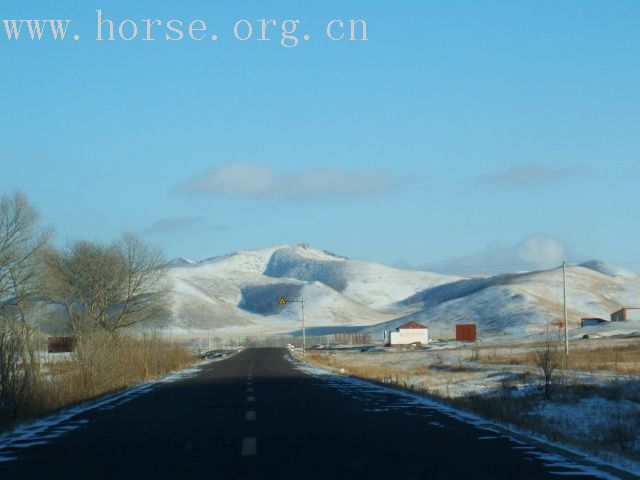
410, 325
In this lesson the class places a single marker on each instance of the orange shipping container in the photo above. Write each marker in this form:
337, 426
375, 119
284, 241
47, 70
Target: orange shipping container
466, 332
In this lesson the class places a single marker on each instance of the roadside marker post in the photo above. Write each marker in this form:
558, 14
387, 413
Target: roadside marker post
284, 301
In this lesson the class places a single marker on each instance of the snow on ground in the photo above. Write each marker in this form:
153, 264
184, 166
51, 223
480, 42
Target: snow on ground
446, 371
45, 430
597, 418
379, 398
629, 328
600, 406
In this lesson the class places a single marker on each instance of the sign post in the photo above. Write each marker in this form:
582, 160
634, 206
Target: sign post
284, 301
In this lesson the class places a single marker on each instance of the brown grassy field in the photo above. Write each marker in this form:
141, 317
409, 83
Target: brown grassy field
482, 380
101, 364
616, 355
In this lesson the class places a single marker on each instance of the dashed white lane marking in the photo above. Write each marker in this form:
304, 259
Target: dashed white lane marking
249, 446
251, 398
250, 415
249, 389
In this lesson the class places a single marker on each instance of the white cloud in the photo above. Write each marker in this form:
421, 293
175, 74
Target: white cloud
252, 180
533, 175
536, 252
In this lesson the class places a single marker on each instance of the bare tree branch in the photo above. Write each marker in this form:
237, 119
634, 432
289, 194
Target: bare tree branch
109, 286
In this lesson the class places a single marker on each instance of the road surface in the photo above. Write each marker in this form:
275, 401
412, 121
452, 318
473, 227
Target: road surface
260, 415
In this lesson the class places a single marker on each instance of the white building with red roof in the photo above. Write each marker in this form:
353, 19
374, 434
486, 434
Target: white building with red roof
412, 332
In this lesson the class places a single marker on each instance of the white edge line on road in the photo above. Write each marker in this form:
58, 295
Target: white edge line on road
50, 428
549, 460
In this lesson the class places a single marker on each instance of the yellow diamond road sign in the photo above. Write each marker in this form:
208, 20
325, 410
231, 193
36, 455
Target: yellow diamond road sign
283, 301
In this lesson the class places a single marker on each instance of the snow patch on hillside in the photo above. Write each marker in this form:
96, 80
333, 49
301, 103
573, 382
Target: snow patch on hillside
519, 303
607, 269
241, 290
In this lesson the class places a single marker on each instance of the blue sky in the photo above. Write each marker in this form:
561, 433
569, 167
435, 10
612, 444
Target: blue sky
460, 135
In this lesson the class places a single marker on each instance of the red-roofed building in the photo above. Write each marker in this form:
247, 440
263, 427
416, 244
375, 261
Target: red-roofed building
411, 332
411, 325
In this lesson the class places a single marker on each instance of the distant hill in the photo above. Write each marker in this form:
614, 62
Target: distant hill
522, 302
241, 290
238, 294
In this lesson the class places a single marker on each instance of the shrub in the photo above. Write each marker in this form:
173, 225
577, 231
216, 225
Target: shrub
19, 372
103, 363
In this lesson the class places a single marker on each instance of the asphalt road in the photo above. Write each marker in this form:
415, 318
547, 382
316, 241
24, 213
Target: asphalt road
258, 416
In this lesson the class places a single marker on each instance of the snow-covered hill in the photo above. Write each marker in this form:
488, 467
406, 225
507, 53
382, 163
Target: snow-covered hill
523, 302
242, 290
238, 294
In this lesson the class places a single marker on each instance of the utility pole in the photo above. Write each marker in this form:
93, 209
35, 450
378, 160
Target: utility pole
566, 326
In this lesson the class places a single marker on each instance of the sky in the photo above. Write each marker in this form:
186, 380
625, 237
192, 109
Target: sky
461, 135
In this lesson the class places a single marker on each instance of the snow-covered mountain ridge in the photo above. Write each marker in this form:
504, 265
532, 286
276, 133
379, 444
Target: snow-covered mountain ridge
238, 294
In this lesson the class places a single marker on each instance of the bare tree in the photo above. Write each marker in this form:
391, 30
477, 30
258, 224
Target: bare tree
548, 359
86, 282
145, 288
109, 286
22, 243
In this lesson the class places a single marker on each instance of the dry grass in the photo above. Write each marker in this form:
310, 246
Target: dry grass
377, 373
102, 364
624, 358
436, 384
616, 436
435, 379
621, 356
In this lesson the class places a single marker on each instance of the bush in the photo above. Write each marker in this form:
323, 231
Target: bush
19, 372
103, 363
548, 360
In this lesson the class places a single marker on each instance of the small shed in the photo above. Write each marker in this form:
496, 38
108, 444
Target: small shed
411, 332
61, 344
625, 314
590, 322
466, 332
